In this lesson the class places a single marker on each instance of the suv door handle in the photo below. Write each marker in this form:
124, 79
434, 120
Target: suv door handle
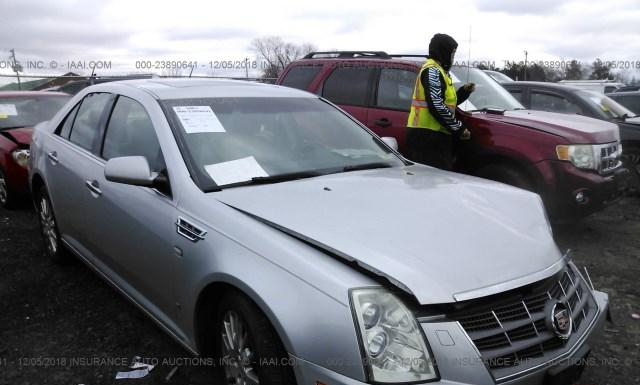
93, 186
384, 122
53, 156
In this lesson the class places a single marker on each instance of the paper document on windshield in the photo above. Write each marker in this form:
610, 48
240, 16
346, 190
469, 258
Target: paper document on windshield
197, 119
8, 109
234, 171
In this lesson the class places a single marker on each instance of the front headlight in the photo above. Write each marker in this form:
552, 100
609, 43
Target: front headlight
21, 157
394, 348
581, 156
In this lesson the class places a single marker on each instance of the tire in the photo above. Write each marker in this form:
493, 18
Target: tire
53, 246
508, 174
254, 351
8, 199
631, 160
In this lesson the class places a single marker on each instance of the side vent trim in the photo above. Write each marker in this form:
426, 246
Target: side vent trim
189, 231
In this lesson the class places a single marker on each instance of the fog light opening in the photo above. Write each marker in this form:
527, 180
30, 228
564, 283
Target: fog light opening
581, 198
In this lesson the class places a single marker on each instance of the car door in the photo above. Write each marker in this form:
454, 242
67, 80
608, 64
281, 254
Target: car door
132, 228
391, 103
350, 88
70, 156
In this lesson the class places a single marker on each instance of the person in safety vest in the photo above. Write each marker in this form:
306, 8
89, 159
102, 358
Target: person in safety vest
432, 123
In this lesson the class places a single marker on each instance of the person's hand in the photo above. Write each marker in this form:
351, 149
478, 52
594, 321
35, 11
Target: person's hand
469, 87
465, 134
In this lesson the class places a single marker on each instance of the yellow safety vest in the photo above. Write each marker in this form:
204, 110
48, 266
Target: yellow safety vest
419, 116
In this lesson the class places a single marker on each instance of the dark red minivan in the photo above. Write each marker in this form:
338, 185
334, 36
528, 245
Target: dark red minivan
19, 112
573, 162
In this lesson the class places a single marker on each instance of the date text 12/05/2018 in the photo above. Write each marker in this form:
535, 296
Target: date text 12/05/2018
188, 65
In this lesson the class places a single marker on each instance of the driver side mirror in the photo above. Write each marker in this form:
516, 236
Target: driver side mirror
132, 170
391, 142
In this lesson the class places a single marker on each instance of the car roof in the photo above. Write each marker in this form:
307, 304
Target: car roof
378, 61
188, 88
547, 85
13, 94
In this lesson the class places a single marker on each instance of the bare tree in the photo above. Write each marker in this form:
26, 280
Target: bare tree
277, 54
172, 72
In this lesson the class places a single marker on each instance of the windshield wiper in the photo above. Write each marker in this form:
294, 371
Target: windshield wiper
284, 177
491, 110
367, 166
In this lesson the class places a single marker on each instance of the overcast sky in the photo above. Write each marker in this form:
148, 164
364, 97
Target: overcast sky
123, 31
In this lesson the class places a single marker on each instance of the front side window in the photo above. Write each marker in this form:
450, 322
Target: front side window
348, 86
232, 140
553, 103
131, 133
395, 89
86, 126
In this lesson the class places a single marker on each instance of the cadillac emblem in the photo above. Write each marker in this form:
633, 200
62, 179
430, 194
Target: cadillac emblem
559, 319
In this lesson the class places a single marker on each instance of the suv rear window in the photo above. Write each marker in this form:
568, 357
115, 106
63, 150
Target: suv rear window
348, 85
301, 76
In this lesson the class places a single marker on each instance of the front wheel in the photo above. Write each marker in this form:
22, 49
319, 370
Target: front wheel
508, 174
7, 198
631, 159
49, 228
249, 349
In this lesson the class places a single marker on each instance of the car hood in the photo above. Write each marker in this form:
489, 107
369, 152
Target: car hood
20, 136
574, 128
440, 236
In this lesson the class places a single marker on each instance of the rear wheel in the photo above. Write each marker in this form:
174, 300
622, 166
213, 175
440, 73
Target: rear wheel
49, 228
248, 346
7, 197
508, 174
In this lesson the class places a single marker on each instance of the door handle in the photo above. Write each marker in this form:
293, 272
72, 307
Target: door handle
93, 186
53, 156
384, 122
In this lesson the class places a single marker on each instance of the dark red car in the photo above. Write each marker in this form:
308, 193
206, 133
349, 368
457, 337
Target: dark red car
19, 112
572, 162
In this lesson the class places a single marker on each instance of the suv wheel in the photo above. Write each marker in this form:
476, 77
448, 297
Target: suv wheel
247, 345
506, 174
631, 159
7, 200
49, 228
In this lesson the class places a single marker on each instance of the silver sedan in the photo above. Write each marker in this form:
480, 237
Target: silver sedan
268, 231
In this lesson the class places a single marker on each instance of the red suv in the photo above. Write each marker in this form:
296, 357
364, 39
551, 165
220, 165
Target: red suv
573, 162
19, 112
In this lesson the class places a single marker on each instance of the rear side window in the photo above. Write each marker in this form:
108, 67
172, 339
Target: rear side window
131, 133
65, 130
395, 89
301, 76
86, 126
348, 85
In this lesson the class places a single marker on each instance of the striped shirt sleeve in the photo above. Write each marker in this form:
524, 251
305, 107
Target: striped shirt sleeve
435, 100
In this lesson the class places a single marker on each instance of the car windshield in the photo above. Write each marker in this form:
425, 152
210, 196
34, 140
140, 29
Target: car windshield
489, 94
27, 111
607, 107
499, 76
235, 141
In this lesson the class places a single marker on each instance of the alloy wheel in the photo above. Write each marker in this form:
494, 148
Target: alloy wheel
48, 225
237, 352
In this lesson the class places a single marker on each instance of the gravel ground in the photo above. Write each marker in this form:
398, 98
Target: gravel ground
64, 325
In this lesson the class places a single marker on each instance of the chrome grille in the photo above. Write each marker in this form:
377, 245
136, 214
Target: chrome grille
513, 335
609, 157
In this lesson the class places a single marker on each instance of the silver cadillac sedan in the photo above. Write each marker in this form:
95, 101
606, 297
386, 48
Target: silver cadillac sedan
268, 231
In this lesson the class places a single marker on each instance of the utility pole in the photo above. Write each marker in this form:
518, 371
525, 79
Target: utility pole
16, 67
246, 67
525, 64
